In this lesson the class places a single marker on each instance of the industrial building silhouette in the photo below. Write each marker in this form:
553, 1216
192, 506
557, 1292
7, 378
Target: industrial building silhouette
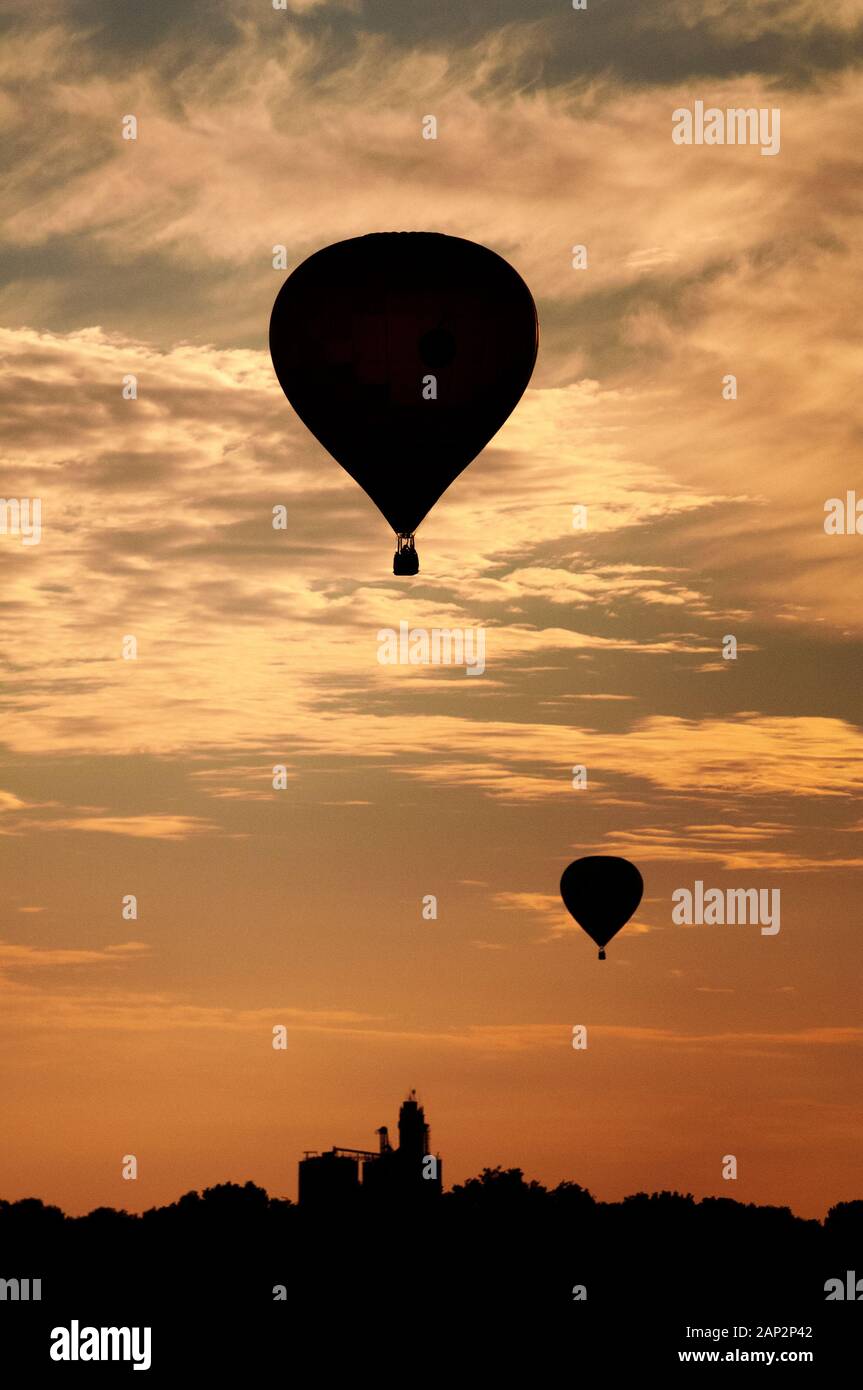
346, 1176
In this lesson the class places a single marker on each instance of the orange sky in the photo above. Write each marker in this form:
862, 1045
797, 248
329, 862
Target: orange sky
259, 647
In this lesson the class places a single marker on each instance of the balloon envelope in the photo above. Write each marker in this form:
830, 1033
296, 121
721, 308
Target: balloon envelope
601, 892
360, 326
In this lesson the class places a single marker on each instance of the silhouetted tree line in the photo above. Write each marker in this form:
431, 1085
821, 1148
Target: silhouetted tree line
494, 1240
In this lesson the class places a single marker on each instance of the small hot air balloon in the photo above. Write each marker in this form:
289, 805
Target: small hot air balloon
601, 892
404, 353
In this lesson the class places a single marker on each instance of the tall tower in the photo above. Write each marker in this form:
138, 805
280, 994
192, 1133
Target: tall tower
413, 1132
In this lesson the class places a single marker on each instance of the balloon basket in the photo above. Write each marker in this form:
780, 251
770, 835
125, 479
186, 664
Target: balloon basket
406, 561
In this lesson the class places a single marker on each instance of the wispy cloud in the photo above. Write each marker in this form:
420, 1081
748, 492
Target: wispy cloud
22, 957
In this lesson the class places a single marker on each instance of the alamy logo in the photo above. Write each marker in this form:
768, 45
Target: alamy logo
844, 518
852, 1288
23, 1290
102, 1344
437, 646
15, 518
734, 905
737, 125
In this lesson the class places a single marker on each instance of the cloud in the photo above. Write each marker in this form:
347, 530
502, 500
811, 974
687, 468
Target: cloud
546, 906
741, 847
9, 803
21, 957
142, 1011
153, 827
548, 910
746, 755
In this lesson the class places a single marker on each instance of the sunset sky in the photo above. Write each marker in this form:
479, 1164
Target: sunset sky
258, 647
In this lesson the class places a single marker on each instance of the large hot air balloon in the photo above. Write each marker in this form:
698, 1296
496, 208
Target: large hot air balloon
601, 892
404, 353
